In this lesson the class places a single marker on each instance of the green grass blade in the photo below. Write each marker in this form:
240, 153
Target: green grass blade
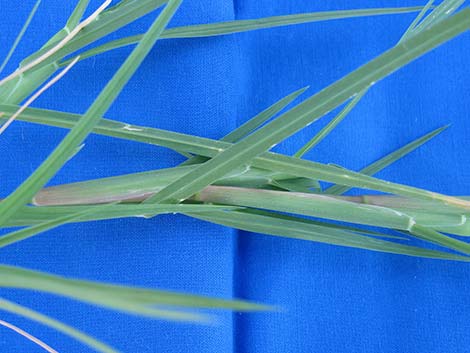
415, 22
445, 9
312, 109
37, 216
296, 228
330, 126
254, 123
388, 159
77, 14
20, 35
314, 205
109, 21
114, 296
230, 27
76, 136
439, 239
89, 341
17, 236
210, 148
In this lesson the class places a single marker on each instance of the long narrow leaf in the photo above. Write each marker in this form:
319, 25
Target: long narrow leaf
229, 27
330, 126
20, 35
388, 159
113, 296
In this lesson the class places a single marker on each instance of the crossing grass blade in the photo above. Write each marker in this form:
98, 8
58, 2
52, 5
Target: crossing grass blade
254, 123
388, 159
409, 33
210, 148
74, 138
8, 306
312, 109
230, 27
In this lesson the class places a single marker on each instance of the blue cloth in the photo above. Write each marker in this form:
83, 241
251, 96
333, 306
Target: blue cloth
333, 299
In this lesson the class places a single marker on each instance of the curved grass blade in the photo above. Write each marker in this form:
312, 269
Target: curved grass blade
230, 27
75, 137
20, 35
81, 337
297, 228
312, 109
388, 159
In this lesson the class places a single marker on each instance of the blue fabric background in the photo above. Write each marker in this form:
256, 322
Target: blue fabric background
334, 299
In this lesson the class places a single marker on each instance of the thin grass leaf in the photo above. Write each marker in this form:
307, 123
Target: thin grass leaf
388, 159
40, 218
14, 237
210, 148
81, 337
312, 109
114, 296
330, 126
75, 137
20, 35
415, 22
230, 27
77, 14
440, 13
297, 228
254, 123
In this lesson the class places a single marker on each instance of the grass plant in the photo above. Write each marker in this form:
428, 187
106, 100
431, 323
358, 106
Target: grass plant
235, 181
